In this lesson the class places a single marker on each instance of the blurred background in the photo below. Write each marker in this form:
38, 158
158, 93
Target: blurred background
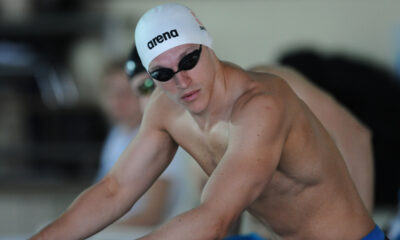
53, 52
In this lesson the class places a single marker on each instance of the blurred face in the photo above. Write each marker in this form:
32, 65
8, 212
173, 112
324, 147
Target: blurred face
186, 74
142, 86
121, 103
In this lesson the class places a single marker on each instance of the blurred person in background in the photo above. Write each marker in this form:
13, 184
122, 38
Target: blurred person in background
124, 106
122, 109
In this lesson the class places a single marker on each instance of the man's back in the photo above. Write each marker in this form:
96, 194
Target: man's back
312, 179
309, 190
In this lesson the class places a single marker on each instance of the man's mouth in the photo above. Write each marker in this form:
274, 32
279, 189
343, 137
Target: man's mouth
190, 96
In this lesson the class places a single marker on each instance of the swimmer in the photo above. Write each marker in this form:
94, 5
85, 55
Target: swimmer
343, 127
262, 147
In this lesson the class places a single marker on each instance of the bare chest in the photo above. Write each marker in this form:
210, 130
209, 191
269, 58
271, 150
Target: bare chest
206, 147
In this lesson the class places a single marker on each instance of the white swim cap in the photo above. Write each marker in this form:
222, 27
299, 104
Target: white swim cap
167, 26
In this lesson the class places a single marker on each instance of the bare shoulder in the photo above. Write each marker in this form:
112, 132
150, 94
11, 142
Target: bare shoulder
297, 81
290, 75
267, 97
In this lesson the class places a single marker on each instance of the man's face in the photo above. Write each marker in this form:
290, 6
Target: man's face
190, 88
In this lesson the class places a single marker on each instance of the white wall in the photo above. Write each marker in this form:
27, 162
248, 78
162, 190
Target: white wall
252, 32
255, 31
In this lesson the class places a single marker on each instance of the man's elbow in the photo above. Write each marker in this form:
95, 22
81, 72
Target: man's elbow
221, 229
110, 186
218, 225
217, 230
113, 190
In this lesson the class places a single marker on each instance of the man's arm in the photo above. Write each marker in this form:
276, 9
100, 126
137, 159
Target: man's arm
140, 164
351, 136
154, 207
252, 156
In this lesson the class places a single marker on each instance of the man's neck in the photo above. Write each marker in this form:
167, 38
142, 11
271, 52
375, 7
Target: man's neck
221, 100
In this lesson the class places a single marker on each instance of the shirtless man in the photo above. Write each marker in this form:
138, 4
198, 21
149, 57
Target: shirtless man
350, 135
262, 147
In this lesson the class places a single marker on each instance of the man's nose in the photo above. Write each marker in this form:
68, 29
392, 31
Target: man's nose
182, 80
